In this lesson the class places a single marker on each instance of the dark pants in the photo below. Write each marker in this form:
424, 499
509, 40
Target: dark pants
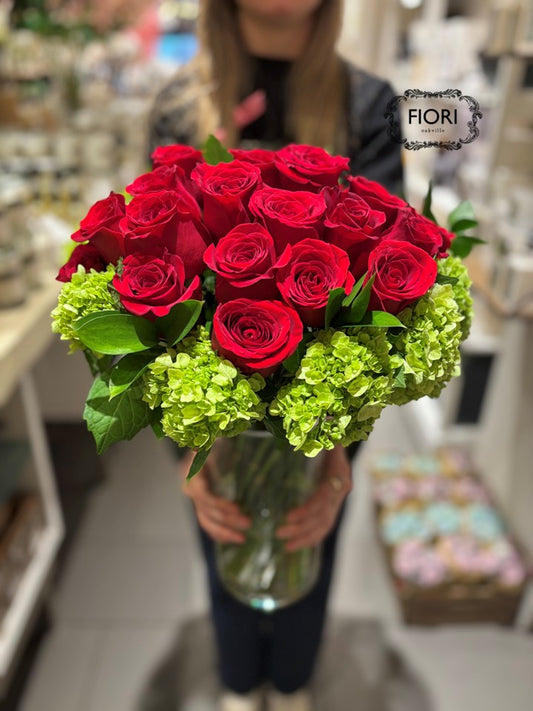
280, 646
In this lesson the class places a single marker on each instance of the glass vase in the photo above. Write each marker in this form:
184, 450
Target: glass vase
266, 478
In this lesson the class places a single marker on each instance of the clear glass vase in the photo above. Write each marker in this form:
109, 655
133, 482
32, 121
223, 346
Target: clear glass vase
266, 478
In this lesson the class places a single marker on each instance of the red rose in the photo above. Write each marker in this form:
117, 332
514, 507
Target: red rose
314, 270
167, 177
174, 220
153, 281
403, 272
355, 227
186, 157
289, 216
447, 239
417, 229
308, 167
86, 255
256, 336
378, 198
226, 190
263, 159
101, 227
245, 263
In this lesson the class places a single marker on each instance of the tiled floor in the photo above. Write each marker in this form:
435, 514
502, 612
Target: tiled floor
131, 630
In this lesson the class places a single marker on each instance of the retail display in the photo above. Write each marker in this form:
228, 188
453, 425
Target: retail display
450, 553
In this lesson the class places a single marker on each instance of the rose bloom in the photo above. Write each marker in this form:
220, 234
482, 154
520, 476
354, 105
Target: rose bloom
226, 190
245, 263
101, 227
153, 281
186, 157
311, 168
256, 336
417, 229
166, 177
403, 274
173, 219
289, 216
86, 255
355, 227
378, 198
314, 270
263, 159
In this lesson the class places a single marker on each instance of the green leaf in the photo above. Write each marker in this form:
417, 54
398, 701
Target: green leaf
275, 426
348, 301
208, 278
115, 333
127, 370
462, 217
98, 364
462, 245
198, 462
426, 209
179, 321
155, 424
214, 152
334, 304
443, 279
381, 319
292, 363
358, 308
463, 225
399, 378
115, 420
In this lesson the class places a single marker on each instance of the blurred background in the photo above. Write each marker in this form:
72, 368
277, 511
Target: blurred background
103, 603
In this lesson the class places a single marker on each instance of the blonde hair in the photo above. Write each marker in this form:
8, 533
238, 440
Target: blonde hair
316, 85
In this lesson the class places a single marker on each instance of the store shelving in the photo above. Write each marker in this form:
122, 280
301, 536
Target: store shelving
24, 335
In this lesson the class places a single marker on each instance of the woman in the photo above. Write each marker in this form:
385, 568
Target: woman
267, 74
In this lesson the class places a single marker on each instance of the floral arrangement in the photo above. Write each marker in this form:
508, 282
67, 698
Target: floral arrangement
227, 289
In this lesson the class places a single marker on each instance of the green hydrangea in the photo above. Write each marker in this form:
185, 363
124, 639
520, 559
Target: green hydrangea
428, 349
343, 383
454, 267
85, 293
202, 396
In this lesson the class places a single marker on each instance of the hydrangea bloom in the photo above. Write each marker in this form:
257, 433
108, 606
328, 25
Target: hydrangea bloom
428, 350
454, 267
86, 293
343, 383
201, 395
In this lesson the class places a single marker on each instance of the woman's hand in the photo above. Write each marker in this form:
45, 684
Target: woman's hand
248, 111
222, 520
309, 524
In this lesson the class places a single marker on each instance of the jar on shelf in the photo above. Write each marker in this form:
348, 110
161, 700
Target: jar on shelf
13, 287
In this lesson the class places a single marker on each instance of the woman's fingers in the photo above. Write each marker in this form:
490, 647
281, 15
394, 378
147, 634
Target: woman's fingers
308, 524
250, 109
316, 526
311, 535
233, 518
324, 495
217, 531
220, 518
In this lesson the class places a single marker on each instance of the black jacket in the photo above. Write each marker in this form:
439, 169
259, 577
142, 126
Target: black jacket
371, 151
